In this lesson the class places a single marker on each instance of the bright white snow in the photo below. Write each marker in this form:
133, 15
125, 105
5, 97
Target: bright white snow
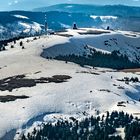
99, 39
90, 90
21, 16
104, 18
30, 28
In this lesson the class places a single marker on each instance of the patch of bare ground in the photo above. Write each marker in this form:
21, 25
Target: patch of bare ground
130, 70
131, 35
64, 35
20, 81
121, 104
136, 113
106, 90
88, 72
9, 98
95, 32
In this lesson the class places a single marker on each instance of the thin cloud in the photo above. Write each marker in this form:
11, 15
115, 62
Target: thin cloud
13, 2
16, 1
10, 3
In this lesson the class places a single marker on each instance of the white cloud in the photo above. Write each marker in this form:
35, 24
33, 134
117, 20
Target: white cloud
15, 1
10, 3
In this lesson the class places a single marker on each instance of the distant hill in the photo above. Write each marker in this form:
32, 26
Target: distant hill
16, 22
60, 17
97, 47
113, 10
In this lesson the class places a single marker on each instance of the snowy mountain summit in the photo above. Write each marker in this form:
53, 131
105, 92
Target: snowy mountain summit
87, 42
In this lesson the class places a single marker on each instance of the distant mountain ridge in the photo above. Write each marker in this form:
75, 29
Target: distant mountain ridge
116, 17
114, 10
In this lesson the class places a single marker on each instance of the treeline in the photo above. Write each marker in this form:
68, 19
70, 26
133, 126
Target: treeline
92, 128
127, 80
132, 131
99, 59
4, 43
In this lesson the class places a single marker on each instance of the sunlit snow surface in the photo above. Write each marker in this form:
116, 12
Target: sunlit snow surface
20, 16
104, 18
89, 90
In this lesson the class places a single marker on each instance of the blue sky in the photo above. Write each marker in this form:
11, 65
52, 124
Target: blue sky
7, 5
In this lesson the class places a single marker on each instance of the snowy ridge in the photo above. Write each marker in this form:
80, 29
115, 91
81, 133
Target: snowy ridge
30, 28
57, 20
126, 43
19, 28
18, 25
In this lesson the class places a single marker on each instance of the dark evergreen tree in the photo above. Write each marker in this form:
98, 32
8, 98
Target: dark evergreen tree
21, 43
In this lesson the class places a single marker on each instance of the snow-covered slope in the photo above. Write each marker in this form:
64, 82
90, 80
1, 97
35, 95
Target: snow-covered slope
20, 27
90, 91
127, 43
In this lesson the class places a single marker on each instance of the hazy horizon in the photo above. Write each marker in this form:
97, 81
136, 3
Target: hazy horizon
9, 5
